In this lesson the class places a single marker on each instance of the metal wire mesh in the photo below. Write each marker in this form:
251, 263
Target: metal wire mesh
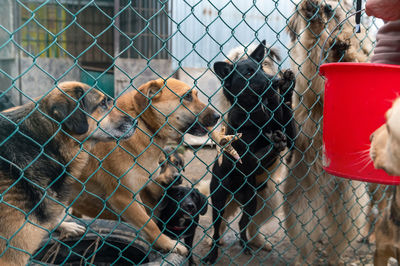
302, 214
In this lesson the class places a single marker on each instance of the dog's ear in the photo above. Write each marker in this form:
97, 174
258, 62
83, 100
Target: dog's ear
201, 201
163, 203
274, 54
66, 111
149, 91
259, 53
222, 69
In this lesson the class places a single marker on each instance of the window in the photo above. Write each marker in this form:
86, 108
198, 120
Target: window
51, 30
145, 26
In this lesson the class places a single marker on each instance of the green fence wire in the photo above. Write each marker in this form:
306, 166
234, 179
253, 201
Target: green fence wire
302, 214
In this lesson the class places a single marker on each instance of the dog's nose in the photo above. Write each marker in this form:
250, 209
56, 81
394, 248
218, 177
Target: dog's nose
211, 119
190, 207
178, 179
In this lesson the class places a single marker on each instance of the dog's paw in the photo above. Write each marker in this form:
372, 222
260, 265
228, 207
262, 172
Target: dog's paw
286, 85
339, 48
260, 243
279, 140
211, 258
209, 242
288, 76
70, 229
246, 248
180, 249
311, 10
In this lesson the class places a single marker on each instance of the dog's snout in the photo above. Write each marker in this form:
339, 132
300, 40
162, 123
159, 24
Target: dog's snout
215, 118
211, 119
190, 207
177, 178
131, 121
127, 126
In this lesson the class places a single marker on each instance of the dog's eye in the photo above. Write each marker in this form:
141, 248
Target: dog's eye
188, 97
104, 103
249, 73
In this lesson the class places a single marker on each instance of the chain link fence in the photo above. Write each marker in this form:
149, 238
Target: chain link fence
128, 201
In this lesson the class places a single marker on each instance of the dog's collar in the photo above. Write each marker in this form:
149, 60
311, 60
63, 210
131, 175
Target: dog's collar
153, 130
177, 228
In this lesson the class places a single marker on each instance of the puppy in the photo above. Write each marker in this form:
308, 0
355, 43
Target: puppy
385, 154
257, 113
179, 212
171, 164
178, 207
44, 146
310, 213
165, 110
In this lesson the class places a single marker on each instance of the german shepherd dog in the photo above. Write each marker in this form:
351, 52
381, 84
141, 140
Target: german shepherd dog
257, 112
318, 204
165, 110
43, 148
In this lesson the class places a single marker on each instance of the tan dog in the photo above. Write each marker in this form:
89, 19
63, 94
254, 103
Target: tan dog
310, 212
174, 109
38, 144
385, 153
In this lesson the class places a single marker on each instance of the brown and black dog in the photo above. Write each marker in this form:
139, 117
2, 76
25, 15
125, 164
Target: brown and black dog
43, 147
165, 110
385, 153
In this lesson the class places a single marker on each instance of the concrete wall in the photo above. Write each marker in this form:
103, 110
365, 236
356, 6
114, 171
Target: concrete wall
208, 85
26, 78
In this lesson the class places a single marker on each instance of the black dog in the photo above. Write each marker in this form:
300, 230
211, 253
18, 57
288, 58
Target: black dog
259, 112
179, 207
179, 214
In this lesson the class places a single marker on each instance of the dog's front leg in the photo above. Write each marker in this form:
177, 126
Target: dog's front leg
249, 201
133, 212
70, 229
268, 155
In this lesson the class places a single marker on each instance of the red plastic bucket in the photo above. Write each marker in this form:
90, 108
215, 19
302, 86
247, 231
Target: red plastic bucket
357, 95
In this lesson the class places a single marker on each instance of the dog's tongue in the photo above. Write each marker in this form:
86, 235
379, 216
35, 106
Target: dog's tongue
176, 228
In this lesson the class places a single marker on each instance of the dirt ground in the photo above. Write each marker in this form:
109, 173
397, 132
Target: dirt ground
198, 167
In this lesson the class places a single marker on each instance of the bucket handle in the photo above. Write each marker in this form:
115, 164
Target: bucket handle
334, 29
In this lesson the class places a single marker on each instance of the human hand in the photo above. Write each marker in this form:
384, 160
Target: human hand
385, 9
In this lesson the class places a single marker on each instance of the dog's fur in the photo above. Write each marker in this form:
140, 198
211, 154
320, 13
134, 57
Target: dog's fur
266, 200
171, 165
385, 154
257, 112
165, 110
318, 204
36, 143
